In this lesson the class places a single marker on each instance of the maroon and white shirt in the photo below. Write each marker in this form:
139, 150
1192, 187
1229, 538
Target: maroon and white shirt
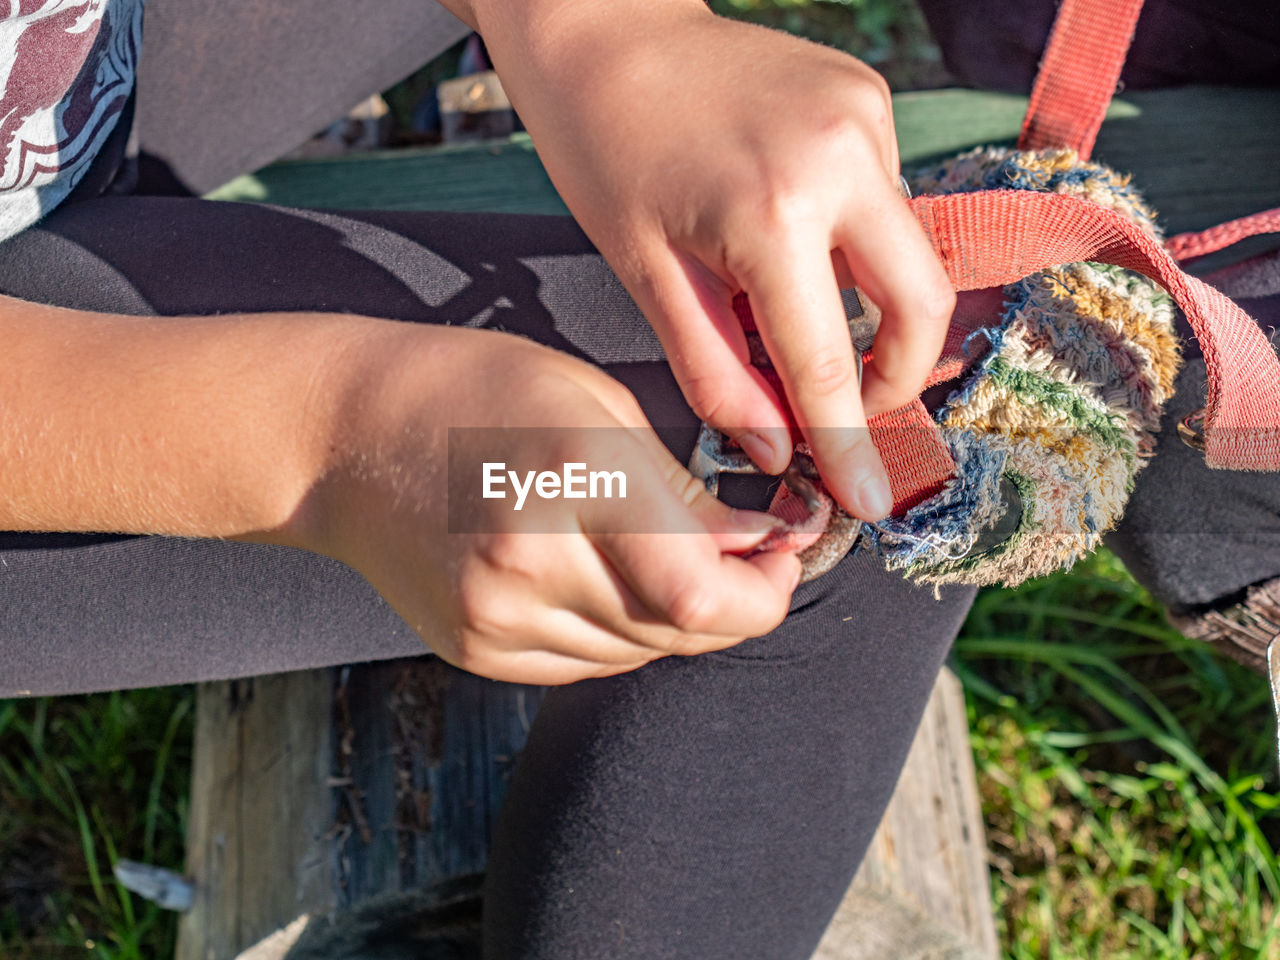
66, 71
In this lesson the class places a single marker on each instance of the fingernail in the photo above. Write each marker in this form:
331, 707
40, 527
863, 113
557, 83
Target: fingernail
873, 497
749, 521
757, 448
795, 581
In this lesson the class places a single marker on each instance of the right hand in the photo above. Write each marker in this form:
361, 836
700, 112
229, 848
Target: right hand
706, 157
534, 607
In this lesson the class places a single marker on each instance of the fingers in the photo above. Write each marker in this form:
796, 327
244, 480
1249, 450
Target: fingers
591, 622
690, 311
593, 615
681, 575
697, 598
802, 321
608, 597
732, 530
897, 267
544, 667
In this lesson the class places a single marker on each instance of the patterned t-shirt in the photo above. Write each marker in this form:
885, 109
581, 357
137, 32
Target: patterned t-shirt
66, 71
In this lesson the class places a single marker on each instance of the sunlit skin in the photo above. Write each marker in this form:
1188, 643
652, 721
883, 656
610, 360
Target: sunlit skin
339, 445
702, 157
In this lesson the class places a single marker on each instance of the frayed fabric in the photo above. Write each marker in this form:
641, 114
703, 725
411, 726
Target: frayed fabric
1065, 405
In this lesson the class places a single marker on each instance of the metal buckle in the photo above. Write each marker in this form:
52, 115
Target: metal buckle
1191, 429
715, 454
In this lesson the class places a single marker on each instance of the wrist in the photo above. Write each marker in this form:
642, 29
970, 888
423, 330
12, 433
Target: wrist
196, 427
376, 436
533, 41
261, 400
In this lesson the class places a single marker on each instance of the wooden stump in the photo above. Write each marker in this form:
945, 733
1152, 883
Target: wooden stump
258, 841
328, 804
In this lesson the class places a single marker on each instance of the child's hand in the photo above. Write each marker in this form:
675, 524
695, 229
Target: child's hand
585, 588
705, 156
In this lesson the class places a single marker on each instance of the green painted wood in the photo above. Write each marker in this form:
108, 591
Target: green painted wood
502, 176
936, 124
1201, 154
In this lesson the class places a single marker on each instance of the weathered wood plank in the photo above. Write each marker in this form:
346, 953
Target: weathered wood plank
501, 176
428, 750
256, 845
402, 797
874, 924
368, 844
485, 725
210, 929
406, 767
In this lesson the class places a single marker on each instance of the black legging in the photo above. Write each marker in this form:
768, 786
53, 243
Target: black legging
708, 807
673, 804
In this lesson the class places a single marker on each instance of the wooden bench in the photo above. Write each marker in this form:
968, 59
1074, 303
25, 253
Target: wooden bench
329, 803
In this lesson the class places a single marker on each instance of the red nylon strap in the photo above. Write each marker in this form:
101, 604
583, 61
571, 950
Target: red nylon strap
1078, 74
916, 458
1185, 246
995, 237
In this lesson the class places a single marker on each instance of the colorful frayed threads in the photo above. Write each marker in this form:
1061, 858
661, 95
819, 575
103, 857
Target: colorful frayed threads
1065, 405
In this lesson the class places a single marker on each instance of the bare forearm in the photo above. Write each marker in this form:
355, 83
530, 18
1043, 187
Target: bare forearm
211, 426
331, 433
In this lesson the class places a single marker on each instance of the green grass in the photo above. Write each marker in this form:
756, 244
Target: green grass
1127, 775
84, 781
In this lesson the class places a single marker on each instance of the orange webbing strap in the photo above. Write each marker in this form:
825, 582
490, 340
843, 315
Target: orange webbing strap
995, 237
1185, 246
916, 458
1078, 74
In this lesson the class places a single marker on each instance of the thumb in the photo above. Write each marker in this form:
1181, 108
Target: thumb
733, 530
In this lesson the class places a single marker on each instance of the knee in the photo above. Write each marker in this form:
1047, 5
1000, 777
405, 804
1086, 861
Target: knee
864, 614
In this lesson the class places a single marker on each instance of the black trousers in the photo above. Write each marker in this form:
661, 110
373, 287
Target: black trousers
706, 807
